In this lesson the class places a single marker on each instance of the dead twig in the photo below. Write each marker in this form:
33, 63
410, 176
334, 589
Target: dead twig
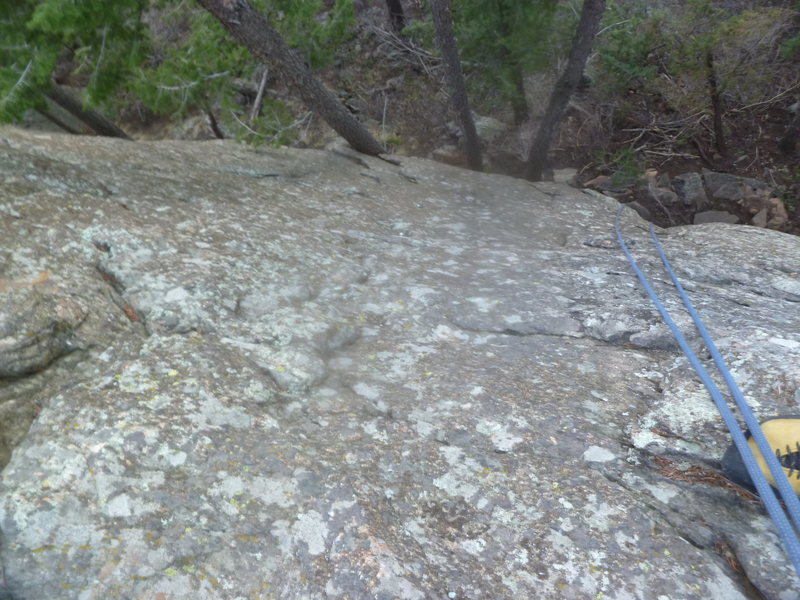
769, 101
408, 51
256, 110
671, 154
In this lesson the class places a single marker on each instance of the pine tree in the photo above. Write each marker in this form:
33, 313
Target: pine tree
588, 25
106, 38
443, 24
504, 40
248, 27
105, 47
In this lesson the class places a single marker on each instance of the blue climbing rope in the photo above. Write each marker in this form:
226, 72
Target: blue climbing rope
787, 532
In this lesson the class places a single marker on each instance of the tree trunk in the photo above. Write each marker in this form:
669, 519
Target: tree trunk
397, 18
212, 122
716, 104
248, 27
788, 142
443, 24
519, 104
97, 122
565, 86
56, 121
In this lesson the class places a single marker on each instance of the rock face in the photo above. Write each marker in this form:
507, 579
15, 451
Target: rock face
305, 374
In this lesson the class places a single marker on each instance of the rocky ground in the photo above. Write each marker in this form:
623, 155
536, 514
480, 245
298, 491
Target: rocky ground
284, 373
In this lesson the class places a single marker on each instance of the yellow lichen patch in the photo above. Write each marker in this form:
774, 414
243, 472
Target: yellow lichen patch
155, 541
238, 505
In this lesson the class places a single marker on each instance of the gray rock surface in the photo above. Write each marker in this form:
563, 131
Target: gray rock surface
746, 198
489, 128
689, 187
715, 216
724, 186
301, 374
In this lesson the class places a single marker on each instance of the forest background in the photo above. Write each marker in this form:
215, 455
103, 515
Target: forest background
669, 87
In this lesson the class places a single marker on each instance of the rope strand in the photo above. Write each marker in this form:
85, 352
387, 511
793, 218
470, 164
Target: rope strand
786, 531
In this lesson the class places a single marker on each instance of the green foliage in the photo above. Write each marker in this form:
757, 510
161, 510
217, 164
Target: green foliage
275, 126
696, 33
790, 48
630, 36
190, 63
194, 72
24, 66
106, 37
624, 166
421, 31
500, 41
788, 188
298, 23
745, 50
655, 50
198, 65
502, 35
